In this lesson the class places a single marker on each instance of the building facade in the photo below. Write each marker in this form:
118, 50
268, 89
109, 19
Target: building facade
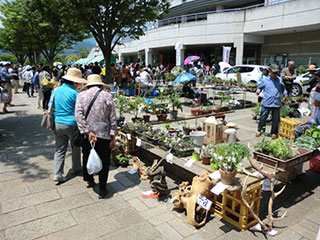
259, 32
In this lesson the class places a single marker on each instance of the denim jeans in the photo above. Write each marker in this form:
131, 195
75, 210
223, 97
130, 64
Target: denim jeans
63, 133
299, 130
275, 119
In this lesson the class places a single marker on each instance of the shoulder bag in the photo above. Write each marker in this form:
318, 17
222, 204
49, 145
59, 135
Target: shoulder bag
48, 116
78, 138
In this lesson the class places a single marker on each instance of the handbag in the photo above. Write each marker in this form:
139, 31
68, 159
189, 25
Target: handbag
48, 116
47, 83
78, 138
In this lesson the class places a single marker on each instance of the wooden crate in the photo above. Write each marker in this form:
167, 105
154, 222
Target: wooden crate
213, 133
230, 207
286, 128
129, 146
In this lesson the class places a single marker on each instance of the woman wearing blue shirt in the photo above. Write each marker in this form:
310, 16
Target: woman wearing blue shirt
64, 101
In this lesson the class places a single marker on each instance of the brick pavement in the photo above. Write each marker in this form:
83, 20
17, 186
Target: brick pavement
33, 207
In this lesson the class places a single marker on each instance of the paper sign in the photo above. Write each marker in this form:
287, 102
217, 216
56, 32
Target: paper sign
257, 227
189, 163
129, 136
204, 202
146, 193
215, 175
169, 158
219, 188
132, 171
273, 232
138, 143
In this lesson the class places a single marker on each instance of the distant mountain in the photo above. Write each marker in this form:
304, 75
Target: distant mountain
88, 43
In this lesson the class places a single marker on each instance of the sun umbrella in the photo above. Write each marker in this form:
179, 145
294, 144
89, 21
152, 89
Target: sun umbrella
190, 59
184, 77
57, 64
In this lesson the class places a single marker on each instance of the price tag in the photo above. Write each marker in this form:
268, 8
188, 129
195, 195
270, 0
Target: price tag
138, 143
129, 136
215, 175
189, 163
169, 158
219, 188
204, 202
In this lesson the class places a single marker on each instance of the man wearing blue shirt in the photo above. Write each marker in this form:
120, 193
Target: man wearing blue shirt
274, 89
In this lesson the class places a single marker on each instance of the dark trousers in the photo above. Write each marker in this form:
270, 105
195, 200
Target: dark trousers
264, 113
46, 97
30, 89
103, 150
288, 88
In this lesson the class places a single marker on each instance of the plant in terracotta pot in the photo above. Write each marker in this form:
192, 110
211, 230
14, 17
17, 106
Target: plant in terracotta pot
228, 156
134, 106
175, 105
224, 100
121, 104
196, 154
148, 107
201, 109
206, 153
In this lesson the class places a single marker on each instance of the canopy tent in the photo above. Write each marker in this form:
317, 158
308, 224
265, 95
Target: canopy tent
99, 59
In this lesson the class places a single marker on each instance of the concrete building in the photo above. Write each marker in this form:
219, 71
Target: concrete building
259, 32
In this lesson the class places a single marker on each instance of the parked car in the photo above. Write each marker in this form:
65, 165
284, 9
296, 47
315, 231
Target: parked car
249, 73
297, 87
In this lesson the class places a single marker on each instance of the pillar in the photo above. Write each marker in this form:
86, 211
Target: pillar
148, 56
239, 45
180, 54
139, 57
121, 57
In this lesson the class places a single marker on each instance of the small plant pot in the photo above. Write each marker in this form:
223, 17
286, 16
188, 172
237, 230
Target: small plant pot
174, 114
146, 118
227, 178
196, 156
136, 119
205, 160
162, 117
194, 112
198, 138
120, 121
200, 112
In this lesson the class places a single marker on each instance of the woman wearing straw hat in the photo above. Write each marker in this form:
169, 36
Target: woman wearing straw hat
312, 82
100, 127
64, 101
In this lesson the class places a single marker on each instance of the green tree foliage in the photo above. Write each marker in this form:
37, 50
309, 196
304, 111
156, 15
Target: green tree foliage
83, 53
46, 24
109, 21
8, 57
72, 58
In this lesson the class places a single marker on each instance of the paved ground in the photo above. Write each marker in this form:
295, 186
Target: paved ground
33, 207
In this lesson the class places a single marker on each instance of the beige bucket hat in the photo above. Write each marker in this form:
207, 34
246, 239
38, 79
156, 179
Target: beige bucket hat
94, 80
312, 67
74, 75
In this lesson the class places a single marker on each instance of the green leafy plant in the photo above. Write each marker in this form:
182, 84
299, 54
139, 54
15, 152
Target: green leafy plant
306, 142
207, 150
123, 158
256, 110
174, 102
314, 132
135, 104
301, 70
121, 103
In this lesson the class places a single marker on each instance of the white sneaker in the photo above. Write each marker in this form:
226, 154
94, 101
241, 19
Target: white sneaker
59, 178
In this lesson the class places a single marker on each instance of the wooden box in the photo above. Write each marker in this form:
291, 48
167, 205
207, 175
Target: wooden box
213, 133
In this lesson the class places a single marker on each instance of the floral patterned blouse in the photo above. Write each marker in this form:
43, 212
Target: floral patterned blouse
102, 117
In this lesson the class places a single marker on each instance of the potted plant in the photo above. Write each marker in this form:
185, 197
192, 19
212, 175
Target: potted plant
206, 154
147, 108
134, 106
121, 103
228, 156
122, 159
196, 154
221, 107
208, 109
175, 105
256, 111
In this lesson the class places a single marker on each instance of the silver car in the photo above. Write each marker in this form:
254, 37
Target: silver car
297, 87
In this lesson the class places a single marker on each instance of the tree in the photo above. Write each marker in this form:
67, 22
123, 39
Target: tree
111, 20
83, 53
8, 57
72, 58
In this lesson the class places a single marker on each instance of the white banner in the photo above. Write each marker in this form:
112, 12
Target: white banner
226, 54
178, 48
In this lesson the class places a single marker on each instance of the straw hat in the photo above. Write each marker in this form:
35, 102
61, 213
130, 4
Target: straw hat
94, 80
312, 67
74, 75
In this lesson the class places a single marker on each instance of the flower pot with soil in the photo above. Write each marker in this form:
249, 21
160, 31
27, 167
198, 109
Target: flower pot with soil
206, 154
121, 104
162, 117
174, 105
146, 118
196, 154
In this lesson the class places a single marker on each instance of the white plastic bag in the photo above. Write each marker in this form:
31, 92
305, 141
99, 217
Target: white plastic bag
94, 164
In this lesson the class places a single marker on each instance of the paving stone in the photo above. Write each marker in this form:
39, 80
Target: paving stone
151, 203
164, 217
131, 195
195, 237
70, 190
288, 234
131, 189
8, 168
17, 191
154, 212
1, 235
214, 228
137, 204
168, 232
126, 217
99, 209
29, 200
118, 187
141, 231
63, 204
41, 186
315, 217
125, 181
6, 176
86, 231
303, 231
11, 219
184, 229
310, 225
40, 227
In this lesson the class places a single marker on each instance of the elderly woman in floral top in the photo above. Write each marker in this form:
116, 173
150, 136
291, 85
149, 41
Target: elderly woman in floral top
100, 127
